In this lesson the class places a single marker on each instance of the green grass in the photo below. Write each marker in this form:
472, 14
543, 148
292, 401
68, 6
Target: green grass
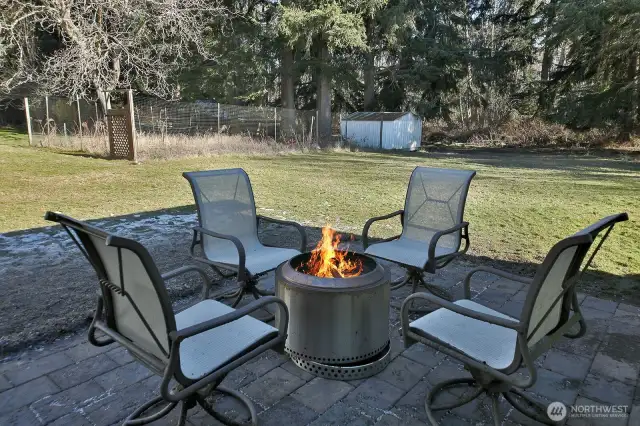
518, 206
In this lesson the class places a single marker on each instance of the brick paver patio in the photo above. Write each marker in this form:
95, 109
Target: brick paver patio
70, 382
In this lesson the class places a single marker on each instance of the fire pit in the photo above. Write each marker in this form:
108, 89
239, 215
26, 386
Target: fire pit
338, 304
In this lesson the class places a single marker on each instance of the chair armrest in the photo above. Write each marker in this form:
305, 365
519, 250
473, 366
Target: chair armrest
367, 225
433, 244
179, 335
191, 268
242, 256
493, 271
470, 313
300, 228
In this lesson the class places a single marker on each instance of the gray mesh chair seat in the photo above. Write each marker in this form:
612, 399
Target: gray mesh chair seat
482, 341
228, 231
195, 348
406, 252
493, 346
208, 351
432, 226
259, 259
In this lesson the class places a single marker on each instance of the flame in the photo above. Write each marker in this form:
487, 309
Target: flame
327, 261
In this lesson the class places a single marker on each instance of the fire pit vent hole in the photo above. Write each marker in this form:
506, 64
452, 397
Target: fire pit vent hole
341, 361
370, 367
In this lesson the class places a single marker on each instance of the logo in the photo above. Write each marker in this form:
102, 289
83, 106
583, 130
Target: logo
557, 411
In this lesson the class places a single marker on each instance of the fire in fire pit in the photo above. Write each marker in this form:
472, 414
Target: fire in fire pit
328, 261
338, 304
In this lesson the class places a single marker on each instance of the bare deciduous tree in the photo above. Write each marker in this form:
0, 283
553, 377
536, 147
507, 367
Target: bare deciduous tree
103, 44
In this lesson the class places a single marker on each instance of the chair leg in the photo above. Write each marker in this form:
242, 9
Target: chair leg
222, 274
495, 410
134, 418
262, 292
239, 297
400, 282
416, 279
539, 416
224, 419
270, 316
414, 276
183, 414
434, 289
239, 293
428, 402
228, 294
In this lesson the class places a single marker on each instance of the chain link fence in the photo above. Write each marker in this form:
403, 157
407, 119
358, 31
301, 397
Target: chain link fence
65, 123
166, 129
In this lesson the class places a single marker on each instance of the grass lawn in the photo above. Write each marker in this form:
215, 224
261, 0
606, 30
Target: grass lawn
519, 204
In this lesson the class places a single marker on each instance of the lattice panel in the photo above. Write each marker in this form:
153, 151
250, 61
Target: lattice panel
120, 138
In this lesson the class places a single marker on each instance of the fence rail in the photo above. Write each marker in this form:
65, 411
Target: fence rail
167, 128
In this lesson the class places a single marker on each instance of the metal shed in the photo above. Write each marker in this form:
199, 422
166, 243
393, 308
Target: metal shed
383, 130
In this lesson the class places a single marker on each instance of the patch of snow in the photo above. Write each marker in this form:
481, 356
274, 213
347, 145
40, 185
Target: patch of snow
53, 246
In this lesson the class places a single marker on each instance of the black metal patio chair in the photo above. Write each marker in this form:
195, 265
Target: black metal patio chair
192, 350
432, 226
493, 346
228, 231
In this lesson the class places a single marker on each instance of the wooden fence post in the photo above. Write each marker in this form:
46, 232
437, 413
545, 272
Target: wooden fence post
132, 123
46, 103
28, 117
218, 104
79, 120
318, 126
311, 130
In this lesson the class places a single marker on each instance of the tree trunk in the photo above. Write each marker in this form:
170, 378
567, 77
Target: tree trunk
545, 98
287, 91
103, 97
369, 83
547, 60
637, 92
369, 70
631, 104
323, 94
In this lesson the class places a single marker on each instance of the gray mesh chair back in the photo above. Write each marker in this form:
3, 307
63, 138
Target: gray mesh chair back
435, 202
136, 302
432, 227
549, 299
225, 204
549, 302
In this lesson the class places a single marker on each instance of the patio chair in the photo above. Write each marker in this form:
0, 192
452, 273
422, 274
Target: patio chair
493, 346
432, 226
228, 231
192, 350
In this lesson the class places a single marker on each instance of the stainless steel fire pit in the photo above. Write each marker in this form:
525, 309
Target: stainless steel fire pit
338, 327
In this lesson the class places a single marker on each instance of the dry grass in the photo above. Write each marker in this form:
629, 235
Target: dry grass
526, 133
156, 146
164, 146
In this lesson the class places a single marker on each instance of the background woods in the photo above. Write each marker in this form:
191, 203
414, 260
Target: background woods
465, 64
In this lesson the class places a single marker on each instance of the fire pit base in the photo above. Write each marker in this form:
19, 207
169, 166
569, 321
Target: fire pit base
363, 369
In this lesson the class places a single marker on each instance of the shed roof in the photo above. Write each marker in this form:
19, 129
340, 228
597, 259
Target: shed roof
374, 116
